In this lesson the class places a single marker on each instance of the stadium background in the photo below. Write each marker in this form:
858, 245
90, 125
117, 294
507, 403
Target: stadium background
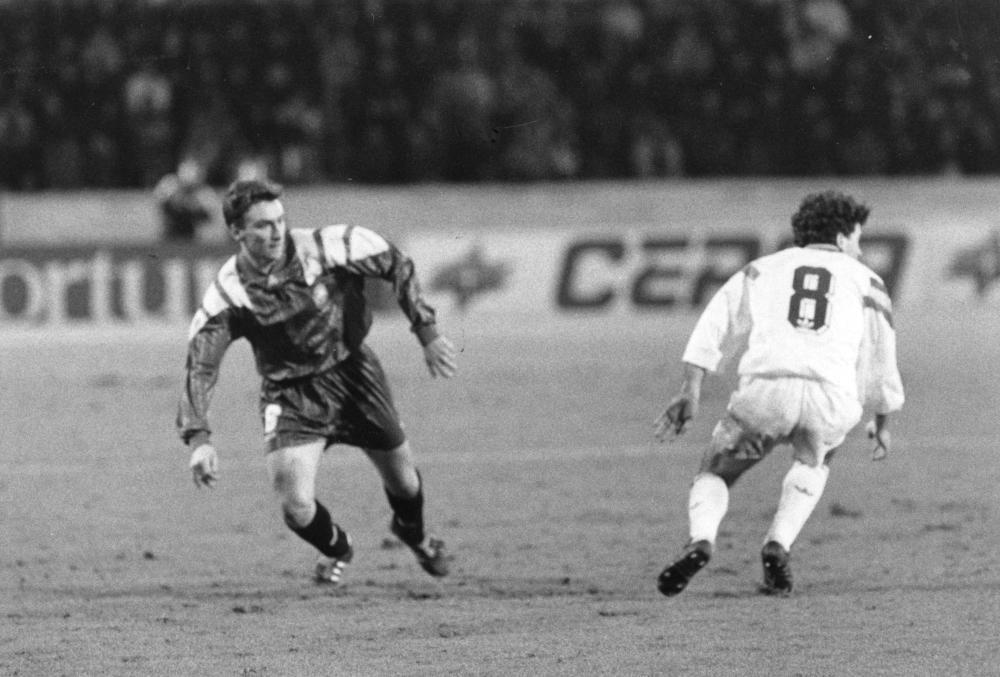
573, 179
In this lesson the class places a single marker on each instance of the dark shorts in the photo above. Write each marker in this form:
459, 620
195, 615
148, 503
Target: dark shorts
349, 404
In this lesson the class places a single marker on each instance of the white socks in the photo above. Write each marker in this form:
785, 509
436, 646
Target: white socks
800, 492
707, 505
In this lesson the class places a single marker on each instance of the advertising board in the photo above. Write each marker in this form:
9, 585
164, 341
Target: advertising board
635, 271
105, 284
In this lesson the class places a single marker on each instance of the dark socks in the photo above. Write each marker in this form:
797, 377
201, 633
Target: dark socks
323, 534
409, 511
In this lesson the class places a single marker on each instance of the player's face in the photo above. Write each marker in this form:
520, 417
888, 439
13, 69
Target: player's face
851, 244
261, 232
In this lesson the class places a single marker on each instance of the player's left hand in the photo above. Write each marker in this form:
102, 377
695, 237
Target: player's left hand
673, 421
881, 438
204, 466
439, 355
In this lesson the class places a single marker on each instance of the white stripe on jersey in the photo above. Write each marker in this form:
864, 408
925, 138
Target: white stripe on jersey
224, 291
333, 244
199, 320
365, 243
229, 280
360, 244
307, 251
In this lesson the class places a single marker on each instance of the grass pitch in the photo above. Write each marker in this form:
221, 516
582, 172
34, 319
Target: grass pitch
542, 476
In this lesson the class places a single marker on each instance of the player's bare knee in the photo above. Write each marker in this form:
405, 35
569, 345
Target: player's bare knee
298, 504
283, 480
297, 511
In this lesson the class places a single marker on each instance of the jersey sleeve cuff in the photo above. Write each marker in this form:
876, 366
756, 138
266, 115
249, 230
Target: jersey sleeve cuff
197, 438
699, 358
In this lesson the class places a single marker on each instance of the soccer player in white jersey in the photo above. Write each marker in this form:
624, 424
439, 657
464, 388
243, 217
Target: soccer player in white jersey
297, 295
815, 332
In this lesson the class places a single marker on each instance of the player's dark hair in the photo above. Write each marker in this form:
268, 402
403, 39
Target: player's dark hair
241, 195
822, 215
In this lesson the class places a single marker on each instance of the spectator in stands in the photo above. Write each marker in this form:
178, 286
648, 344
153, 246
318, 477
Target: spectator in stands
149, 99
19, 145
185, 202
654, 149
463, 103
112, 93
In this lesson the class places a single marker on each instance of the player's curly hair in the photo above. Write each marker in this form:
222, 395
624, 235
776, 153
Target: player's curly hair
241, 195
822, 215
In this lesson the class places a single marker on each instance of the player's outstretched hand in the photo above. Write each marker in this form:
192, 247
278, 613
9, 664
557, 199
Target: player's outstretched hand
673, 421
879, 434
204, 466
439, 355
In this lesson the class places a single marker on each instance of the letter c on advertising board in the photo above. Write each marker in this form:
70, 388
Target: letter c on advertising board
568, 295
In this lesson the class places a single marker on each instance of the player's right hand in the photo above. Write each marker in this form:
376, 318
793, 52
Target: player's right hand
204, 466
439, 355
879, 434
673, 421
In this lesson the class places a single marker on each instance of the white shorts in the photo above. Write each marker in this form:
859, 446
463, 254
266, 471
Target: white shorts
813, 416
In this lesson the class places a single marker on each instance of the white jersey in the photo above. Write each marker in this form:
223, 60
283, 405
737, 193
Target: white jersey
808, 312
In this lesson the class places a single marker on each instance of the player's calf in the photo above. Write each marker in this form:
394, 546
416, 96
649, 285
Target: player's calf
408, 526
330, 539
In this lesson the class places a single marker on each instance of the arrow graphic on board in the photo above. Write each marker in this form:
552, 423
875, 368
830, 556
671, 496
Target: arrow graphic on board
470, 276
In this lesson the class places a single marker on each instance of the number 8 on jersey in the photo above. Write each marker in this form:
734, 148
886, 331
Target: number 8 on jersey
809, 306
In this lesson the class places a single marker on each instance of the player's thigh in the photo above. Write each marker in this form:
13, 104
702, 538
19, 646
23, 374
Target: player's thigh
828, 415
368, 418
734, 449
767, 406
297, 413
759, 415
292, 470
393, 461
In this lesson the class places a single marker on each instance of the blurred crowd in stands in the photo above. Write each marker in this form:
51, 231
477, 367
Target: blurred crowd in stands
118, 93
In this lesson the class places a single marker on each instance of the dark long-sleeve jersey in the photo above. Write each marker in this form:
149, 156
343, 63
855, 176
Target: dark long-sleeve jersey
302, 318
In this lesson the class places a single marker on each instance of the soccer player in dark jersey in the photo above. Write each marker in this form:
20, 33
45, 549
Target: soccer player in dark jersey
297, 296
